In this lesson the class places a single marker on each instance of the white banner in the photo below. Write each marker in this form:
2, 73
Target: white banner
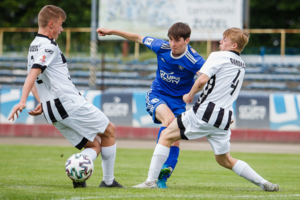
207, 18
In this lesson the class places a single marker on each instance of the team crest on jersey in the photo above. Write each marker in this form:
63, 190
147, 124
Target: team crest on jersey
180, 67
148, 41
43, 59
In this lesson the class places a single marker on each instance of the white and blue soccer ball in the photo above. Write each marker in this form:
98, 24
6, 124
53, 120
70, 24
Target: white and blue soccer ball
79, 167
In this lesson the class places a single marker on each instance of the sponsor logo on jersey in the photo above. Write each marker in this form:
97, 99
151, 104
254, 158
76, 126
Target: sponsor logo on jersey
34, 48
168, 77
49, 51
154, 100
180, 67
43, 60
252, 111
116, 108
148, 41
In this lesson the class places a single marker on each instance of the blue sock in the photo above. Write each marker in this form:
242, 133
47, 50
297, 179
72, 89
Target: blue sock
159, 132
172, 159
173, 155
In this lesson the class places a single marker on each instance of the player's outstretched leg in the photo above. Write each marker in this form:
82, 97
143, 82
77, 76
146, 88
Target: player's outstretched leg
242, 169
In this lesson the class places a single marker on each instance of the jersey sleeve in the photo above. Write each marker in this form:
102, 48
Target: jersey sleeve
196, 61
154, 44
212, 64
200, 62
45, 56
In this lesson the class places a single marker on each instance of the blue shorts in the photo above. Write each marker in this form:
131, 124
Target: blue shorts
154, 98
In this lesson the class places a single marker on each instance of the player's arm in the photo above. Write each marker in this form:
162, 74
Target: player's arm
29, 82
38, 110
127, 35
35, 93
197, 87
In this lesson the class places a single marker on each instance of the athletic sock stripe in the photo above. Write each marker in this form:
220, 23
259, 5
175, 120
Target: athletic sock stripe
208, 112
181, 127
61, 110
219, 118
51, 115
228, 122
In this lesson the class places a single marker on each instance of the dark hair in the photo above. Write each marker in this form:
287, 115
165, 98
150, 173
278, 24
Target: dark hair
49, 13
179, 30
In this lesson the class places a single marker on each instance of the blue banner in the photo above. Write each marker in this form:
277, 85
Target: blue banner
261, 111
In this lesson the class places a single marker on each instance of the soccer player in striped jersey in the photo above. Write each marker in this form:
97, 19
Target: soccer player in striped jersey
177, 64
62, 105
221, 79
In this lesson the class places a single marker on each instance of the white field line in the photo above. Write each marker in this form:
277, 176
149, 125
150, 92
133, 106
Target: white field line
183, 196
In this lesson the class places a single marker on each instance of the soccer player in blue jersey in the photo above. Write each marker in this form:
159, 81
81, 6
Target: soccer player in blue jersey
177, 64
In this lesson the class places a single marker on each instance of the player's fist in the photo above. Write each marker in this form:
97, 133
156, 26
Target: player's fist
103, 31
187, 98
37, 111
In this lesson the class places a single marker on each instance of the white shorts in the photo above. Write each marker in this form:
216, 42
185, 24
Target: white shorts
83, 125
193, 128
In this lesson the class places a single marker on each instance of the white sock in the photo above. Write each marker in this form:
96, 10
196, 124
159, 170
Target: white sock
108, 155
160, 156
91, 153
244, 170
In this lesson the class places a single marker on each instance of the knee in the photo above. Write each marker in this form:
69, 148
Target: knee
168, 121
165, 137
110, 131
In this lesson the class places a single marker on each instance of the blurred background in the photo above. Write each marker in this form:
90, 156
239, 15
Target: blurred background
115, 74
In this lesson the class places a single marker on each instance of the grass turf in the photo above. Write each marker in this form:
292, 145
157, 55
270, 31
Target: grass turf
36, 172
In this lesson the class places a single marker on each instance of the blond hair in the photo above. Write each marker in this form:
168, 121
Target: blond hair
49, 13
238, 36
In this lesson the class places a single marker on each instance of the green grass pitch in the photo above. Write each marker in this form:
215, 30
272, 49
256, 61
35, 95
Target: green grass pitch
36, 172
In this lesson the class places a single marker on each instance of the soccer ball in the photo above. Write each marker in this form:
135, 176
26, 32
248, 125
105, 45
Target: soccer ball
79, 167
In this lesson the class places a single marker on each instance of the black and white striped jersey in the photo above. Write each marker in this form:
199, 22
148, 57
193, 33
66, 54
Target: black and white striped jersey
226, 70
57, 93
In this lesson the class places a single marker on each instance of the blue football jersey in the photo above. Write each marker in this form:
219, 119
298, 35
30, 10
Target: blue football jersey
174, 75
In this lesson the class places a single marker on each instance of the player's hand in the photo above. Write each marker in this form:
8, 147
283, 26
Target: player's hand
232, 122
37, 111
198, 73
187, 98
103, 31
19, 107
